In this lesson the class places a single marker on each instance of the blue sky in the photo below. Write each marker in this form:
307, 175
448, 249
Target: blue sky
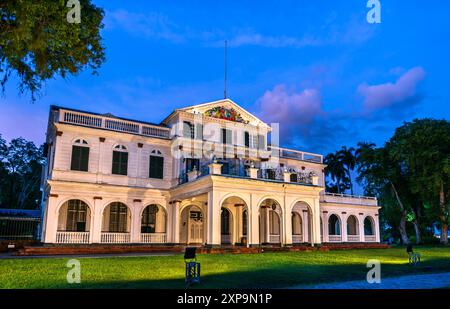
316, 67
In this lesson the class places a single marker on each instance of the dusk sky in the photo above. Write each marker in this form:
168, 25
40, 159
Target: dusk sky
317, 67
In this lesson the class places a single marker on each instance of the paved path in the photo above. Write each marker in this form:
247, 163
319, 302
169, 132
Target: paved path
425, 281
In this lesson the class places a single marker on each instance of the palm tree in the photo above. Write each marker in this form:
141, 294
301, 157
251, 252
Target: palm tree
335, 170
347, 159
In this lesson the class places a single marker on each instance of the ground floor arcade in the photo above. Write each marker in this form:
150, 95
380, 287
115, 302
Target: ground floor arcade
214, 210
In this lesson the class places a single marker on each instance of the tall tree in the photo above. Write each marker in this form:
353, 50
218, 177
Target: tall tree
23, 163
38, 42
347, 159
336, 171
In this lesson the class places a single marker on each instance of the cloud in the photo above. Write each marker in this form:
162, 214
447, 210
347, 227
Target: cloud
302, 120
152, 25
404, 90
155, 25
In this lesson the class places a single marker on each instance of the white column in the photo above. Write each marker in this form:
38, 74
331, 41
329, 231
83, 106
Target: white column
253, 222
238, 223
213, 234
96, 228
344, 227
305, 226
377, 227
136, 221
361, 227
267, 210
175, 226
287, 223
325, 226
316, 222
51, 219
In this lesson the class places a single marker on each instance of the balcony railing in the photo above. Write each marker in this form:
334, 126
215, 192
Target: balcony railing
334, 238
370, 238
353, 238
115, 238
113, 124
63, 237
349, 199
297, 239
274, 239
153, 238
297, 154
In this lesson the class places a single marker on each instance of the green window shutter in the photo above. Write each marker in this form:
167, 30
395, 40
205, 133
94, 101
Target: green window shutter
246, 139
84, 159
120, 163
80, 158
156, 167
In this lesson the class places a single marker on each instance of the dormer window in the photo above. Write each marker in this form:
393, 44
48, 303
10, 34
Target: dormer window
80, 156
120, 160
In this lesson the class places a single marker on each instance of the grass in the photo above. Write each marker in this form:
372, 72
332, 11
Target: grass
268, 270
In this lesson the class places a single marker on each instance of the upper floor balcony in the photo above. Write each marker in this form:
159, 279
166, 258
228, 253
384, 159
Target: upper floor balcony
109, 122
348, 199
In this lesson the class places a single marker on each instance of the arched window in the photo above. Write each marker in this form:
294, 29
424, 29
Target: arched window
148, 224
80, 156
77, 216
352, 225
296, 224
294, 177
368, 226
334, 227
156, 165
118, 218
120, 160
225, 222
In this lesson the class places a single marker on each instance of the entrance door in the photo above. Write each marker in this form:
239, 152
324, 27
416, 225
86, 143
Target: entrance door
195, 227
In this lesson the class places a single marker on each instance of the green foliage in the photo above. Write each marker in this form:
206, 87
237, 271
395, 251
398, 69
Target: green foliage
38, 43
20, 168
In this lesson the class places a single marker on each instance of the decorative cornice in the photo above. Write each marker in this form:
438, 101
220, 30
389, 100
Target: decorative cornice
53, 195
140, 145
98, 198
101, 139
137, 201
59, 133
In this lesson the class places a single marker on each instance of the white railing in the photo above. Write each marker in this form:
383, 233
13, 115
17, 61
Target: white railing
153, 238
334, 238
72, 237
297, 239
348, 199
274, 239
226, 239
115, 238
111, 123
353, 238
297, 154
370, 238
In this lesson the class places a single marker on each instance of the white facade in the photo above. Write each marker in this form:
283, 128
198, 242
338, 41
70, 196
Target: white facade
205, 175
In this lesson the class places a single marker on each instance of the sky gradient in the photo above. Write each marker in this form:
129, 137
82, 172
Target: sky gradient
316, 67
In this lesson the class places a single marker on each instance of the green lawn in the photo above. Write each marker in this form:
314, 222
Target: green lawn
267, 270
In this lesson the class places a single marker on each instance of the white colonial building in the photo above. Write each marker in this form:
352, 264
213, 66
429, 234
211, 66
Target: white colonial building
206, 174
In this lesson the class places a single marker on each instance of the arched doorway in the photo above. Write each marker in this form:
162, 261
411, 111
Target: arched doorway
303, 211
116, 223
334, 228
225, 226
74, 219
369, 229
153, 224
192, 229
270, 215
352, 229
297, 228
234, 221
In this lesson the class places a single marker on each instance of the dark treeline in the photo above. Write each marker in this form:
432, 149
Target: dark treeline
410, 176
20, 174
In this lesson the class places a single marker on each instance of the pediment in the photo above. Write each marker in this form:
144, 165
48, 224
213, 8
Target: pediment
225, 110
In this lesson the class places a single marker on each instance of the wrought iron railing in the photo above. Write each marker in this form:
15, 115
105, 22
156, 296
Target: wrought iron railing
19, 228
